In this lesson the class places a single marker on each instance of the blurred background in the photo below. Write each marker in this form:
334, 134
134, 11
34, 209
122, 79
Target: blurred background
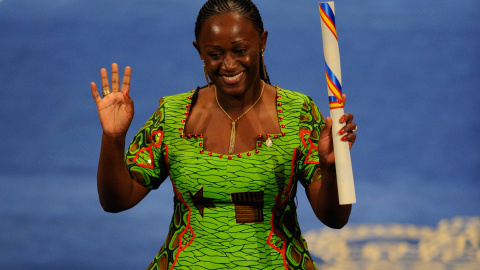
410, 69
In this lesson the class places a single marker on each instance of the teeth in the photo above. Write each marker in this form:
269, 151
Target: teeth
232, 78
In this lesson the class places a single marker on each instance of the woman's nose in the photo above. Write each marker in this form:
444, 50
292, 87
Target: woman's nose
229, 63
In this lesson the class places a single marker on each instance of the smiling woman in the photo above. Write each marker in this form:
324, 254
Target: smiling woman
235, 150
231, 49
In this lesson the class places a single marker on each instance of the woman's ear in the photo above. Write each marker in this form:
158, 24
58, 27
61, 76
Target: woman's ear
195, 44
263, 40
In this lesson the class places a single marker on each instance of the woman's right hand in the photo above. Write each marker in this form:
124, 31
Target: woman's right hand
116, 108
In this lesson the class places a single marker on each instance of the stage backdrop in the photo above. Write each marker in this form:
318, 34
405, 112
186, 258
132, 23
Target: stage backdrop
410, 70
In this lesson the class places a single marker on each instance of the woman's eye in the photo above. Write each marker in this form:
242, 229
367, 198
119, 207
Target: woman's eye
240, 51
214, 55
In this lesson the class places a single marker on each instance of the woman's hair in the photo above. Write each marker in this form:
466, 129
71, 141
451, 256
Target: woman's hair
243, 7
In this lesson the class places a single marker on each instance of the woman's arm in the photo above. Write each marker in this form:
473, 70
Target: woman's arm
116, 190
323, 197
323, 193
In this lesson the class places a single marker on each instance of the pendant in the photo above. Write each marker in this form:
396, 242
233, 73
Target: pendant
231, 148
269, 142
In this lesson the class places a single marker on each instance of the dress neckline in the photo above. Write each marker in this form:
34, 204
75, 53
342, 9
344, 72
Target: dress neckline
261, 138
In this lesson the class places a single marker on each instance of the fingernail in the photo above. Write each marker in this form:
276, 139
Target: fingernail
127, 94
344, 138
342, 119
341, 131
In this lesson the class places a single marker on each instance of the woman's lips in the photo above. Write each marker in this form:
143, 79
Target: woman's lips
233, 79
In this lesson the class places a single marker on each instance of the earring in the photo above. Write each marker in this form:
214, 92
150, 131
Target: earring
263, 64
205, 73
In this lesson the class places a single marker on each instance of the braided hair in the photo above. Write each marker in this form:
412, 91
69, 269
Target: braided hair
243, 7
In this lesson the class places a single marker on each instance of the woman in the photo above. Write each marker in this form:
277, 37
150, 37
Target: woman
234, 149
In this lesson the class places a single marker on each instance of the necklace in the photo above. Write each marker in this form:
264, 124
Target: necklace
234, 122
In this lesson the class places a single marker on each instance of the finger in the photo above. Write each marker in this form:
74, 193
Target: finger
104, 75
126, 80
350, 127
348, 117
344, 97
350, 138
115, 79
95, 94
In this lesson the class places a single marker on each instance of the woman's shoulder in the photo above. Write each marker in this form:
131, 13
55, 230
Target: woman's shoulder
293, 95
180, 97
179, 101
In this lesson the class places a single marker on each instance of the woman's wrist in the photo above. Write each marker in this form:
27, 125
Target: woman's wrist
114, 139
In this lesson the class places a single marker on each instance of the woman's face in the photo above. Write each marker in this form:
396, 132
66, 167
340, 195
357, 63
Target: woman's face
231, 48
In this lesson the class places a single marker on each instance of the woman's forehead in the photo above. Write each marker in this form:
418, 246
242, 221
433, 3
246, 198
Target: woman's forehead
229, 25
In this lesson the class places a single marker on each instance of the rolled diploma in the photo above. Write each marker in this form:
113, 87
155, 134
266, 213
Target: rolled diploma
343, 162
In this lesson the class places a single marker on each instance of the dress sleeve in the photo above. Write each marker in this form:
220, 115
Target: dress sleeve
145, 157
311, 123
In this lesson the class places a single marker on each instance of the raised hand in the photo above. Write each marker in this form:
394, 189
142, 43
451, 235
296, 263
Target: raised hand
325, 141
115, 109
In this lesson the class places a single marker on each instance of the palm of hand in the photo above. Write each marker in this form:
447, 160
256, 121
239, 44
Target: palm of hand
116, 109
116, 113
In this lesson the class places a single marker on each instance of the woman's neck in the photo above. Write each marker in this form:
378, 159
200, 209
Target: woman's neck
236, 105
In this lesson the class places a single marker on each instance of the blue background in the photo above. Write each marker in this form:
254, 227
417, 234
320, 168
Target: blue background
410, 70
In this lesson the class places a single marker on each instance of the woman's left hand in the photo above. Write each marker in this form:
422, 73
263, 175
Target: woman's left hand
325, 140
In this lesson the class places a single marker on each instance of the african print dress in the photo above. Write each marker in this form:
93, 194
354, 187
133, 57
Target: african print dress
230, 211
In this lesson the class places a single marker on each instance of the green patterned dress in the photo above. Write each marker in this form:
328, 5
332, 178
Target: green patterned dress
230, 211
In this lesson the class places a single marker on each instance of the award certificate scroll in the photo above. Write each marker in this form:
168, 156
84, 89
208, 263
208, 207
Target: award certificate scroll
343, 163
